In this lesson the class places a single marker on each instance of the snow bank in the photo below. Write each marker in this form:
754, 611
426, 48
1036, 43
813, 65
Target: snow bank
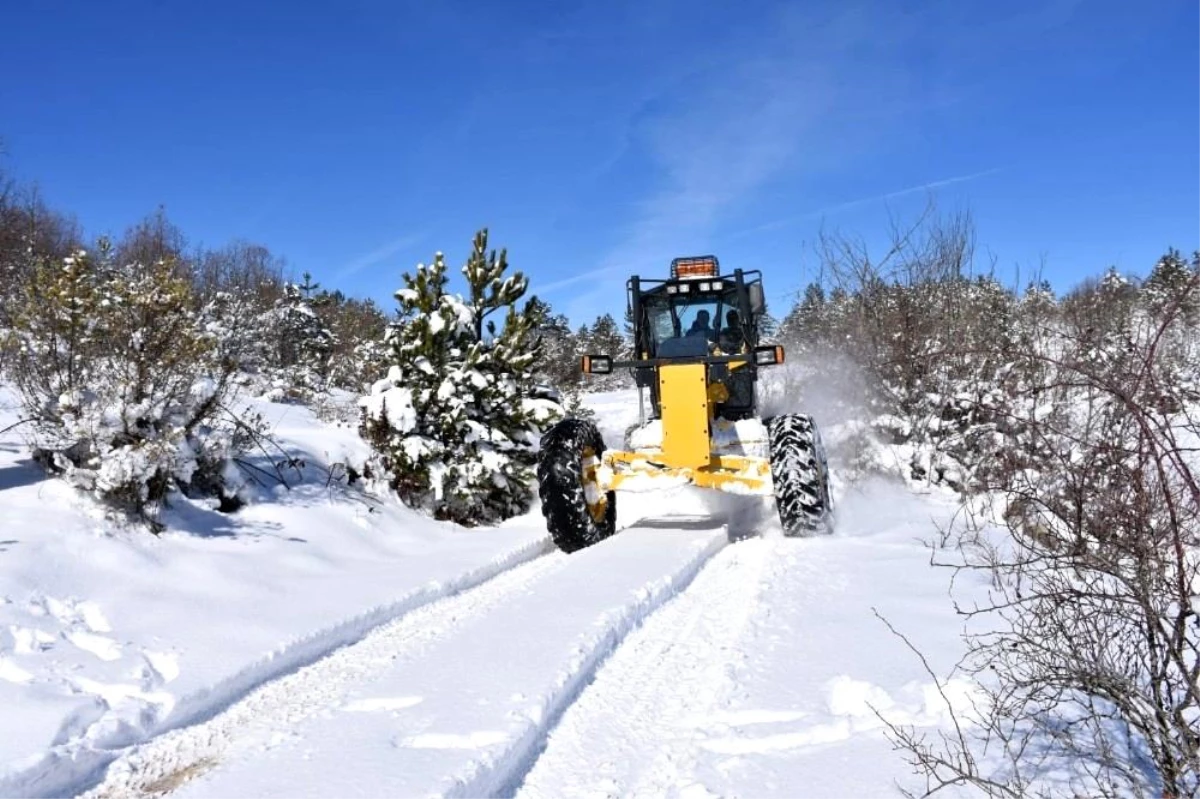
109, 634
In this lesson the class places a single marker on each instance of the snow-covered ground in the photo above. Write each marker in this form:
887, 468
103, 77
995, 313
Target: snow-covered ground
318, 644
109, 635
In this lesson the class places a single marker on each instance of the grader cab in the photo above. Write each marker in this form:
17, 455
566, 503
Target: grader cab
696, 357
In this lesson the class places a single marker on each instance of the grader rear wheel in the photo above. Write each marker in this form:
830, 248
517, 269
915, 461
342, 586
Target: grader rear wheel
800, 474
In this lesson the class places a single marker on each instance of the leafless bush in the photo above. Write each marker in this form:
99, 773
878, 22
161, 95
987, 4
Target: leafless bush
242, 268
933, 339
1088, 648
28, 230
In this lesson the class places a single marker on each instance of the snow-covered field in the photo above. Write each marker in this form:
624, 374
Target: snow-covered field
320, 644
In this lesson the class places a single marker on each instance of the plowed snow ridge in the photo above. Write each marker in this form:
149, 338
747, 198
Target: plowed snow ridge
171, 759
74, 767
499, 773
647, 698
461, 694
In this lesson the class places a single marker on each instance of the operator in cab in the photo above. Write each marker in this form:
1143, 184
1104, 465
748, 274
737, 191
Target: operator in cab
731, 339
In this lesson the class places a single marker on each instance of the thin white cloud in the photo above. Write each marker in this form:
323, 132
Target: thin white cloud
379, 254
782, 102
555, 286
791, 96
932, 185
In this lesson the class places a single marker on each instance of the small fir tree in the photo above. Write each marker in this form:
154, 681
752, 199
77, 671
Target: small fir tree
604, 337
454, 424
558, 365
768, 326
304, 343
1170, 283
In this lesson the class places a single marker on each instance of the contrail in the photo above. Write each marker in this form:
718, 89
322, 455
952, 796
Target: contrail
376, 255
593, 274
891, 195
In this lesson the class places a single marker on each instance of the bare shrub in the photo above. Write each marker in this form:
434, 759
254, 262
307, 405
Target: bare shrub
933, 339
1088, 649
123, 381
29, 229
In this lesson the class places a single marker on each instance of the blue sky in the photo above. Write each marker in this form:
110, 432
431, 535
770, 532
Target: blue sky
601, 139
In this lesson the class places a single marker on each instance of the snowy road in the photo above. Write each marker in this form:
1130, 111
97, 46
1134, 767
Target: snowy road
289, 700
763, 678
666, 661
455, 697
631, 732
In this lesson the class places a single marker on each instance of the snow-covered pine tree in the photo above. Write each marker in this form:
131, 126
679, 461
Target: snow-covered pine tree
803, 325
303, 343
606, 337
1169, 283
454, 426
768, 326
558, 365
506, 419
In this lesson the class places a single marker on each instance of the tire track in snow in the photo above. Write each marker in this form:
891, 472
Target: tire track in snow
474, 709
72, 768
633, 731
500, 773
168, 761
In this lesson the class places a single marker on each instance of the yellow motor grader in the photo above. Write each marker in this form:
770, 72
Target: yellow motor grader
697, 354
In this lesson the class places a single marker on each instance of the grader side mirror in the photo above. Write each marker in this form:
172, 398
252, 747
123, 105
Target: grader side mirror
758, 302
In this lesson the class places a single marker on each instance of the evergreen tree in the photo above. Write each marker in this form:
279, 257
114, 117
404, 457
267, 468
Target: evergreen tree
1039, 292
1168, 284
303, 343
454, 423
805, 321
490, 291
308, 288
768, 326
583, 342
606, 338
559, 364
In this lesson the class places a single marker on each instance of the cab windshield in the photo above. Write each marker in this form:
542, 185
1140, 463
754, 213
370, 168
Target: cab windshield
682, 326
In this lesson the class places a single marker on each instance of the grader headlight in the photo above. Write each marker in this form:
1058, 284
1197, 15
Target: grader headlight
768, 355
596, 364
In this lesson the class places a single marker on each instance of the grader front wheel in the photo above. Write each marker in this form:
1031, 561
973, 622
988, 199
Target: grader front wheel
577, 512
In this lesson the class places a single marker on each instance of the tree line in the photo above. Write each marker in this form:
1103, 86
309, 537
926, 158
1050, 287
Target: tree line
130, 356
